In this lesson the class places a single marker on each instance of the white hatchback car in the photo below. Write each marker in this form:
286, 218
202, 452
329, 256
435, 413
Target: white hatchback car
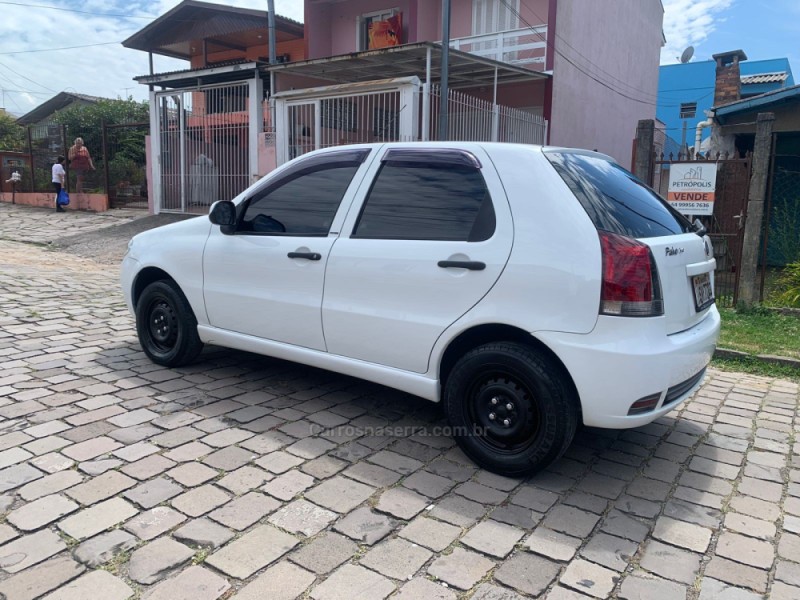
529, 289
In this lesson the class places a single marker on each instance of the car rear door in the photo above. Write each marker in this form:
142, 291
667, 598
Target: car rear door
421, 246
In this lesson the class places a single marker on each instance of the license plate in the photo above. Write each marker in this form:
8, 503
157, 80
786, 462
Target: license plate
703, 294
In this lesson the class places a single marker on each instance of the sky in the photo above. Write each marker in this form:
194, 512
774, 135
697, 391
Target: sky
36, 60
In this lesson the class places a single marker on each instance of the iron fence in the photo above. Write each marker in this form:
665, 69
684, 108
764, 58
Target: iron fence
124, 164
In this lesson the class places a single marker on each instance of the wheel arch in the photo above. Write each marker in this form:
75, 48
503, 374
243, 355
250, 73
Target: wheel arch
144, 278
497, 332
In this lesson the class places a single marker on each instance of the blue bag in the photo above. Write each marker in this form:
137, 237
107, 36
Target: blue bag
63, 198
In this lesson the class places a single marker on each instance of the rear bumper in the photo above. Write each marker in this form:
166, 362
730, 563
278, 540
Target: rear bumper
623, 360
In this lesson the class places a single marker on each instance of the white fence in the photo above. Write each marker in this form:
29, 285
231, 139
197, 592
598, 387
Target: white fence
476, 120
390, 111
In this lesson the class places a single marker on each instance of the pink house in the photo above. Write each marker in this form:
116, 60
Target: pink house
587, 70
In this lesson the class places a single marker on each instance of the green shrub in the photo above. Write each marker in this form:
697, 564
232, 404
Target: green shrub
789, 286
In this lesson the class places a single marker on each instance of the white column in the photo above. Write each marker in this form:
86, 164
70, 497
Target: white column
256, 121
155, 152
426, 99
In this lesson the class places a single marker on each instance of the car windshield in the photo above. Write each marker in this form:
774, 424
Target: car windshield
615, 200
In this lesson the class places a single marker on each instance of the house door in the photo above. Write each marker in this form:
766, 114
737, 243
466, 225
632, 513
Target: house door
202, 147
493, 16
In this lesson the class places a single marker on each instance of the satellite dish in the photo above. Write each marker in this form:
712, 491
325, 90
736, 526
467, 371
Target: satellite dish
687, 54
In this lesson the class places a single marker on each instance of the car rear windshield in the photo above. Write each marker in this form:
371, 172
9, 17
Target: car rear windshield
615, 200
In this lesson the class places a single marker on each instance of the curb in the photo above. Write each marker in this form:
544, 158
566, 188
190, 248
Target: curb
766, 358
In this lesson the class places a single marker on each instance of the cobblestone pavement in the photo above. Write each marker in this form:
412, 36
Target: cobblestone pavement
253, 477
41, 226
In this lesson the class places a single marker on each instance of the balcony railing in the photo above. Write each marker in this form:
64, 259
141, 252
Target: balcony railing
524, 47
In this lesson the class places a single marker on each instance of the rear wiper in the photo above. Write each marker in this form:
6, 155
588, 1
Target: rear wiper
699, 228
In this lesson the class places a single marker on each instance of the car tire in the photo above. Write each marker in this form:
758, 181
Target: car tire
511, 409
166, 325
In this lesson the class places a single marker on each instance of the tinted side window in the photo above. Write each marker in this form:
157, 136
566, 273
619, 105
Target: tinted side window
303, 204
416, 201
614, 199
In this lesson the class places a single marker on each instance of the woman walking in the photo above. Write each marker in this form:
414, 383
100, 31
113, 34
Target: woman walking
80, 161
59, 179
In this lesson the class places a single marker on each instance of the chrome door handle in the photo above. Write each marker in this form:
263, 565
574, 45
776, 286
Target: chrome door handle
472, 265
306, 255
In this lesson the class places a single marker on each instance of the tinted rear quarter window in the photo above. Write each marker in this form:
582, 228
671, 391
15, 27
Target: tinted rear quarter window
615, 200
414, 201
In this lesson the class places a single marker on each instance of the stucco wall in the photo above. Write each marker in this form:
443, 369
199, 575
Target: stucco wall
622, 38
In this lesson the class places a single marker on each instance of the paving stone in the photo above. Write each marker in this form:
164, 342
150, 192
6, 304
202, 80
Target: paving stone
203, 533
157, 560
154, 522
325, 553
7, 533
98, 467
287, 486
693, 513
495, 539
458, 511
29, 550
365, 526
552, 544
104, 547
430, 533
96, 584
610, 551
639, 587
229, 458
200, 500
18, 475
228, 437
372, 474
487, 591
131, 435
402, 503
244, 511
621, 525
685, 535
749, 551
419, 587
188, 452
284, 581
711, 589
251, 552
93, 520
303, 517
480, 493
589, 578
91, 448
669, 562
750, 526
194, 583
781, 591
396, 558
13, 456
339, 494
534, 498
571, 521
99, 488
192, 474
278, 462
351, 581
37, 514
527, 573
136, 452
461, 569
153, 492
148, 467
737, 574
323, 467
788, 572
37, 581
49, 484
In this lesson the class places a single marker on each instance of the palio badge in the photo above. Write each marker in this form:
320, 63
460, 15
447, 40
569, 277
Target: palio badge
692, 186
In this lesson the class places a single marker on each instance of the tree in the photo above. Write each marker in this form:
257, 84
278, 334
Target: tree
12, 136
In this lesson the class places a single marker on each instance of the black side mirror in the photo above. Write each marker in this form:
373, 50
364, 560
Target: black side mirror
223, 213
699, 228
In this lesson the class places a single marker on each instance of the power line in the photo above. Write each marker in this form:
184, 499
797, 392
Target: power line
76, 10
54, 49
27, 78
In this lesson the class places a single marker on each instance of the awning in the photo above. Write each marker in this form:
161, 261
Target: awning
466, 70
219, 73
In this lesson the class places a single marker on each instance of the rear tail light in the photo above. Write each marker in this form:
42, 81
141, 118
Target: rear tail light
630, 278
644, 405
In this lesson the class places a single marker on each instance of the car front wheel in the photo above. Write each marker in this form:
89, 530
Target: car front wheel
166, 325
510, 408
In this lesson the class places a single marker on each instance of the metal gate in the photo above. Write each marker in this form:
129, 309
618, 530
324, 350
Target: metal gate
203, 146
125, 164
726, 225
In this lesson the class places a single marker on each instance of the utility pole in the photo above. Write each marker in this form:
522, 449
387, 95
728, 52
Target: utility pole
443, 127
271, 20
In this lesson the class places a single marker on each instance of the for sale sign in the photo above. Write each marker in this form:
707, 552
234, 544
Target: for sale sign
691, 187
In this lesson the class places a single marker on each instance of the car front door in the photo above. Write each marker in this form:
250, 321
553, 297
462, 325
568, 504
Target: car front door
429, 239
266, 278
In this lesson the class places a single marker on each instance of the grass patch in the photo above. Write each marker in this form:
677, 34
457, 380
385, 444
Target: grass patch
756, 367
759, 331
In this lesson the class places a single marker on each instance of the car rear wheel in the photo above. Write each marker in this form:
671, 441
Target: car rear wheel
166, 325
510, 408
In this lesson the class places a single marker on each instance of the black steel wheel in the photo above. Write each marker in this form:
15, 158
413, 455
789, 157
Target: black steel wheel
166, 325
512, 411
